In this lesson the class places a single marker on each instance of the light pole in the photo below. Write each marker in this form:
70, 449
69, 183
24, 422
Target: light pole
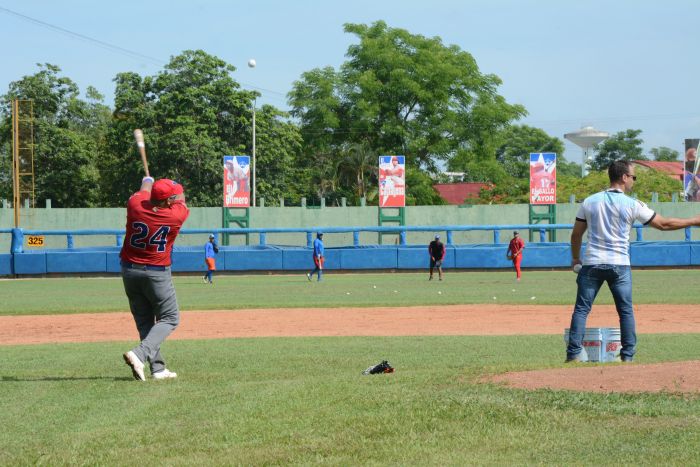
251, 64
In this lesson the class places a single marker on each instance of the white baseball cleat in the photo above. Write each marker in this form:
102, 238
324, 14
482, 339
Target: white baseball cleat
136, 365
165, 374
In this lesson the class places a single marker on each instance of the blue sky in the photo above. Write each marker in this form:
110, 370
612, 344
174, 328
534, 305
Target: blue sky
611, 64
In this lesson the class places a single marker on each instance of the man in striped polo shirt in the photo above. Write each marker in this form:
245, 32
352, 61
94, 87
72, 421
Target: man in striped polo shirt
608, 217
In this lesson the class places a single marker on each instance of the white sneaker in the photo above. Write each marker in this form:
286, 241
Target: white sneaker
136, 365
205, 279
308, 276
165, 374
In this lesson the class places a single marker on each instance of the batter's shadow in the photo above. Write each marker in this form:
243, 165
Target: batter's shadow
14, 379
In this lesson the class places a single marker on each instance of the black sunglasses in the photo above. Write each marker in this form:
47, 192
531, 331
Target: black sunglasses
634, 177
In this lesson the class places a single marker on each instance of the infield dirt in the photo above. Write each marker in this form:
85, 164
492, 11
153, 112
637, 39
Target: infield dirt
465, 320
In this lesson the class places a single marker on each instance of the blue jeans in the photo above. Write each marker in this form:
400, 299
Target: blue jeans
590, 279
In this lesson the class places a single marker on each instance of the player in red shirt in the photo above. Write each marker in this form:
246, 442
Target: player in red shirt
515, 252
154, 216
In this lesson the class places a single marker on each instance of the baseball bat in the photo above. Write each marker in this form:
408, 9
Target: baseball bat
138, 136
693, 185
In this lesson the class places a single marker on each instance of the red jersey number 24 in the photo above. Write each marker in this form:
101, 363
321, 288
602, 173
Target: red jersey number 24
140, 238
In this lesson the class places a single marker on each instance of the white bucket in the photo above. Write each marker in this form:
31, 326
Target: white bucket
599, 344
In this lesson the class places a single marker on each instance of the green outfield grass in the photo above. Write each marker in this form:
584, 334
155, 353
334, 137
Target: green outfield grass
304, 401
79, 295
296, 401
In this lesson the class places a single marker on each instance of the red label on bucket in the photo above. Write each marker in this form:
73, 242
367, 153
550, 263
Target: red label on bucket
591, 343
612, 346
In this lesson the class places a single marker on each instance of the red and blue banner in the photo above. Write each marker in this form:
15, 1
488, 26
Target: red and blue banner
236, 181
392, 181
543, 178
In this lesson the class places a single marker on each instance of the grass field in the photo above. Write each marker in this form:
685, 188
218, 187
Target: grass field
304, 400
75, 295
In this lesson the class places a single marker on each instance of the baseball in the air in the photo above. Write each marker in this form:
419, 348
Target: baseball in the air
577, 268
251, 63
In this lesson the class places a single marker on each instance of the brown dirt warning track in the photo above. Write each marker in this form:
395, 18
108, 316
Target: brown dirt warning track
405, 321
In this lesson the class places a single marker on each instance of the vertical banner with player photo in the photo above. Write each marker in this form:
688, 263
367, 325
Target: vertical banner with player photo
236, 181
543, 178
691, 178
392, 181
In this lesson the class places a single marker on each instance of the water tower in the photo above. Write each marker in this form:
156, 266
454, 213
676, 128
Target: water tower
586, 138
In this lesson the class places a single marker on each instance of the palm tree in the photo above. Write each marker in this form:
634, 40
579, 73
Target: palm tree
358, 168
325, 176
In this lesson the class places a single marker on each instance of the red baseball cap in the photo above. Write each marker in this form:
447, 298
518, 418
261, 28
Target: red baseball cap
165, 188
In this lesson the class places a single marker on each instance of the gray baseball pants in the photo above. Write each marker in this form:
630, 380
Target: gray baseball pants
154, 307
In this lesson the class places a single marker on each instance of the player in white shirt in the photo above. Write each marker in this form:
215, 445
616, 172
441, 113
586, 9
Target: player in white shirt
608, 217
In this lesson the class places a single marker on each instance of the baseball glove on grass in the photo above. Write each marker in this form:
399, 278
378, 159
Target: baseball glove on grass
383, 367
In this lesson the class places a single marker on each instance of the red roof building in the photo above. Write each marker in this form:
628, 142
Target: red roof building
459, 193
673, 169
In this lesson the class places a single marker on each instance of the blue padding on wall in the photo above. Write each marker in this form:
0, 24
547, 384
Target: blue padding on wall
418, 258
482, 256
301, 259
297, 259
549, 255
660, 253
112, 261
552, 255
369, 258
187, 261
695, 253
5, 265
75, 261
250, 260
30, 263
332, 258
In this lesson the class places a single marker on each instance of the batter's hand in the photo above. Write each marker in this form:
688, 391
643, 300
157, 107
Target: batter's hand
574, 262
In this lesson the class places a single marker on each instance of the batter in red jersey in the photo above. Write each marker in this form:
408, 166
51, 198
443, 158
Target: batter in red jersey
154, 216
515, 252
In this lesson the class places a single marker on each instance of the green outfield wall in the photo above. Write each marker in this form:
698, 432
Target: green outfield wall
301, 217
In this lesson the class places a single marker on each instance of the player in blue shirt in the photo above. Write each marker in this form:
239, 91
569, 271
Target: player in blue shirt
318, 257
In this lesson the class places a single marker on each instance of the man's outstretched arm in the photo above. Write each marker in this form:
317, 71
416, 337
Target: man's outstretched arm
673, 223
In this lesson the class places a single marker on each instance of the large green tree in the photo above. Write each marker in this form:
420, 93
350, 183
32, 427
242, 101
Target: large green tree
624, 145
664, 154
69, 136
516, 144
401, 93
193, 112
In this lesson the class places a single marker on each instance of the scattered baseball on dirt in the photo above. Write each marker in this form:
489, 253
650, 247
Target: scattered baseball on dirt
532, 298
494, 298
347, 293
